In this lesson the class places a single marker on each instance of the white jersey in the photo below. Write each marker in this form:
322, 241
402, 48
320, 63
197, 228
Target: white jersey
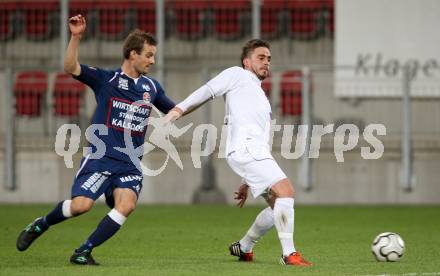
248, 117
247, 111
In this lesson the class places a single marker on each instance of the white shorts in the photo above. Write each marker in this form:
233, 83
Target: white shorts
257, 167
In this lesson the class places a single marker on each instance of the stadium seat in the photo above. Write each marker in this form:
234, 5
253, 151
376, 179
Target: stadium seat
87, 9
67, 94
266, 85
232, 18
29, 90
304, 17
145, 15
8, 20
41, 19
271, 18
291, 93
114, 18
329, 12
190, 18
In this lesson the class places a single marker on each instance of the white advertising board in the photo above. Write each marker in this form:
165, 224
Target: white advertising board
377, 39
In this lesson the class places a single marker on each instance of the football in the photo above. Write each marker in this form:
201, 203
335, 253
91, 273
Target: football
388, 247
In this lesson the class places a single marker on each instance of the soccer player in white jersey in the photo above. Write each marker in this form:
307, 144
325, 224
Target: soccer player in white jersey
248, 116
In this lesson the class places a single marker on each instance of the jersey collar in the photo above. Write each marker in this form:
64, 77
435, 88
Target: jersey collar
253, 76
121, 73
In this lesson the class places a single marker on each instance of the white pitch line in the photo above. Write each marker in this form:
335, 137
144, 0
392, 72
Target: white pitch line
406, 274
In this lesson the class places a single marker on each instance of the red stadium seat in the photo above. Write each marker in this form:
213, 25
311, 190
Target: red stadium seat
8, 20
291, 93
304, 18
190, 18
271, 15
266, 85
146, 15
85, 8
41, 18
29, 90
67, 94
231, 18
329, 11
114, 18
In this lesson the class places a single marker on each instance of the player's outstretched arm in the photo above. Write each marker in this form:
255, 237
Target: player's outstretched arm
191, 103
173, 115
77, 26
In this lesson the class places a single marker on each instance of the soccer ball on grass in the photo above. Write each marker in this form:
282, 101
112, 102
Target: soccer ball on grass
388, 247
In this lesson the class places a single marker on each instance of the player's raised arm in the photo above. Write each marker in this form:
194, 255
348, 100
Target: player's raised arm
77, 26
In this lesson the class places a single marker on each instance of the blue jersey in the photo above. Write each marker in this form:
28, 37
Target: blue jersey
118, 97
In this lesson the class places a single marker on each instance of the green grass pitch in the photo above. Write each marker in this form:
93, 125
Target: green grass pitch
193, 240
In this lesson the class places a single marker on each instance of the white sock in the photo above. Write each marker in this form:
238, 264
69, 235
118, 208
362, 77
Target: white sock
262, 224
117, 217
67, 213
283, 217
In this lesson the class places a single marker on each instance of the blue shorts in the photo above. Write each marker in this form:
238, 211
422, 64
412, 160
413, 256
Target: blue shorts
101, 176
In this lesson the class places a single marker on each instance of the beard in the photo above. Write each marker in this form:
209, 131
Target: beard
263, 75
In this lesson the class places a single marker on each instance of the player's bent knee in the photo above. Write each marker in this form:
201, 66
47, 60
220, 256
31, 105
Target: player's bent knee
125, 201
80, 205
283, 188
126, 208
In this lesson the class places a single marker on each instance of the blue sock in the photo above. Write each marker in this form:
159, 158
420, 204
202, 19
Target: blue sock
56, 215
105, 230
85, 246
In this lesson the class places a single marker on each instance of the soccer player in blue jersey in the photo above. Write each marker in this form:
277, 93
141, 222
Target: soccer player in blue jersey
120, 93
